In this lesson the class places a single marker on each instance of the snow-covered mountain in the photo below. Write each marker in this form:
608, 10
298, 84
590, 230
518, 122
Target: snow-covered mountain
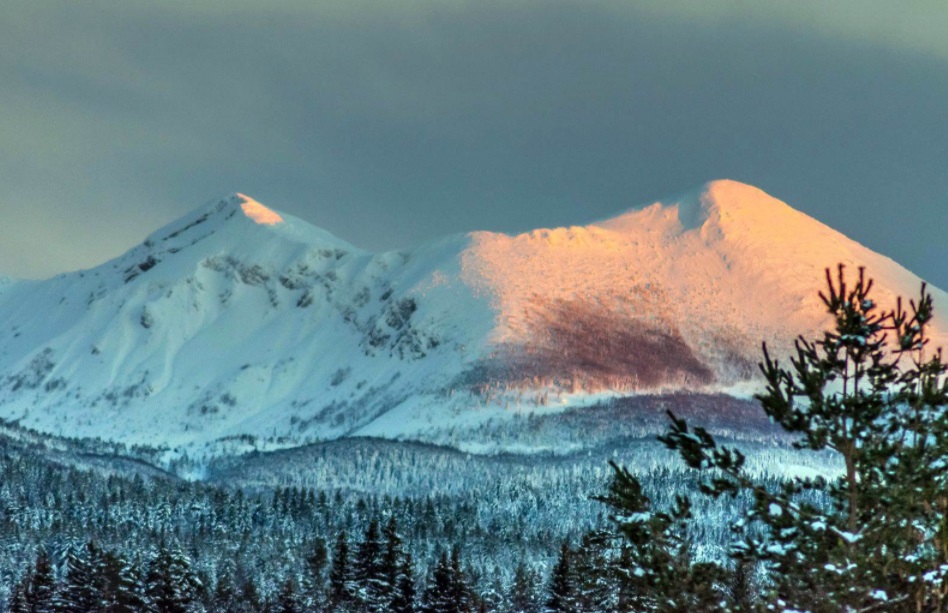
239, 323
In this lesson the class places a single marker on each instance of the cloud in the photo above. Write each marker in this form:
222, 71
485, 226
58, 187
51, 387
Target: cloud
389, 123
916, 26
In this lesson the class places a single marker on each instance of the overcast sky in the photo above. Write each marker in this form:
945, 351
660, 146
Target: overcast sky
392, 122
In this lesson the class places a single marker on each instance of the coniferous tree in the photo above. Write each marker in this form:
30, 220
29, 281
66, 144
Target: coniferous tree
562, 587
870, 391
226, 596
340, 575
315, 578
122, 589
741, 591
522, 594
83, 583
40, 596
439, 595
170, 584
448, 591
491, 591
250, 600
391, 567
656, 569
403, 599
227, 590
591, 573
462, 594
288, 601
19, 598
369, 576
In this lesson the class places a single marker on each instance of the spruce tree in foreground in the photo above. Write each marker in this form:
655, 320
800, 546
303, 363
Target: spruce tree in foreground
872, 392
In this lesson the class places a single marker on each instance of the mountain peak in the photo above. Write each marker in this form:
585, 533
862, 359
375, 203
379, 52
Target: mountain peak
720, 203
257, 212
239, 217
732, 190
740, 201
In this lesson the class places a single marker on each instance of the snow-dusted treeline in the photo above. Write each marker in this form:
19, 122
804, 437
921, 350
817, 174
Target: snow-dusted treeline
247, 528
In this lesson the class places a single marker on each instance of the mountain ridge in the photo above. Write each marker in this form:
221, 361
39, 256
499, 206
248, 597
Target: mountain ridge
239, 321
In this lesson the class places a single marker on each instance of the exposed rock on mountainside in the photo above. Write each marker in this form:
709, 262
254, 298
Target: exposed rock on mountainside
239, 323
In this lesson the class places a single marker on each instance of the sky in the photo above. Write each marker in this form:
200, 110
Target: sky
390, 123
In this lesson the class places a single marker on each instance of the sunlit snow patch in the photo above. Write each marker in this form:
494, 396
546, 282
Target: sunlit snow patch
259, 213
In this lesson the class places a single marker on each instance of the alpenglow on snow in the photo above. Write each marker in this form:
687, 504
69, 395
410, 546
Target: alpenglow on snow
238, 320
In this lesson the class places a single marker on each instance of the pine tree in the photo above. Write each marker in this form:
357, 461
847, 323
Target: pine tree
314, 581
562, 588
403, 599
40, 596
461, 593
19, 598
170, 584
288, 600
250, 599
369, 576
522, 593
876, 537
447, 590
656, 569
340, 575
226, 596
391, 567
122, 591
591, 569
82, 587
439, 596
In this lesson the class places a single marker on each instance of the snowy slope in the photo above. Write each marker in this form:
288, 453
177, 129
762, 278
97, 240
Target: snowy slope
238, 323
679, 292
221, 325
